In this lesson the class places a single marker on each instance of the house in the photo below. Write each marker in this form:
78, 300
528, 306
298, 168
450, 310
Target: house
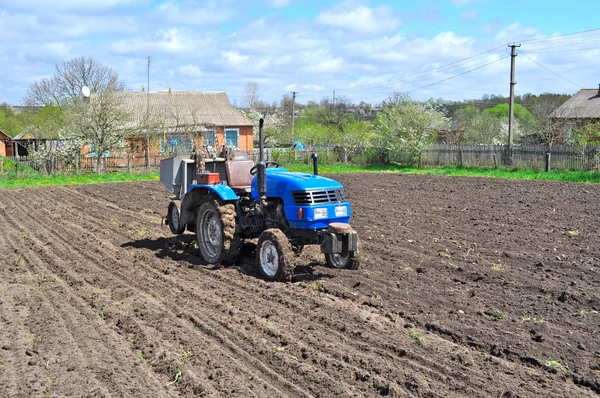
5, 145
581, 108
181, 121
22, 143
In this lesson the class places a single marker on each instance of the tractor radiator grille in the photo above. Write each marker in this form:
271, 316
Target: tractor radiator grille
302, 198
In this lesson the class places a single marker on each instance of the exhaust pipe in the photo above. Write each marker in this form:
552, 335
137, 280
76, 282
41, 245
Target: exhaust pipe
315, 158
262, 167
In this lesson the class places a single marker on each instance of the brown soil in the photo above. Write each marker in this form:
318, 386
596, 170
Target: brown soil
467, 288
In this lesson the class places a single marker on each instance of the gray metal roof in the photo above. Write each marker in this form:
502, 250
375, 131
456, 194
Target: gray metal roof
184, 108
585, 104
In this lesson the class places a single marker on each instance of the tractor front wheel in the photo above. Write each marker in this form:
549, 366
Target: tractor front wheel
342, 260
275, 260
173, 217
216, 231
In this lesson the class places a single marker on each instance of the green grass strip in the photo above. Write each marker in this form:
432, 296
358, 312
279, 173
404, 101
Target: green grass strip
21, 181
28, 177
516, 174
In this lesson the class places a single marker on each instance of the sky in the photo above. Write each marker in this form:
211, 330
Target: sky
359, 49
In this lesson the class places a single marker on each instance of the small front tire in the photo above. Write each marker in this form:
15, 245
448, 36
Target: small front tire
347, 260
274, 256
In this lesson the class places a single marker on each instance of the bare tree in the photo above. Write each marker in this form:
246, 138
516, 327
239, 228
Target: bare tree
543, 124
251, 94
68, 79
104, 122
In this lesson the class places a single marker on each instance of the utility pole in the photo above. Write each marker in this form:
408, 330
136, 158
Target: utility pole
511, 110
293, 113
147, 118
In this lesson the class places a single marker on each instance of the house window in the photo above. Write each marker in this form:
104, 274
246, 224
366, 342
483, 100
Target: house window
176, 143
231, 138
209, 138
569, 133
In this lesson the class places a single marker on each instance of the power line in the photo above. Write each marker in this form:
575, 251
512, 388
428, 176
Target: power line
567, 45
564, 51
554, 73
424, 74
460, 74
558, 36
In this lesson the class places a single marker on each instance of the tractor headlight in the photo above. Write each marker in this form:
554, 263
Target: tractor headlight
341, 211
320, 213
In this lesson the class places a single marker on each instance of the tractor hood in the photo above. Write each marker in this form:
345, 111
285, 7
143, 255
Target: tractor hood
281, 183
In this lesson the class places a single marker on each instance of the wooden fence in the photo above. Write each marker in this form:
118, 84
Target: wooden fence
562, 157
129, 163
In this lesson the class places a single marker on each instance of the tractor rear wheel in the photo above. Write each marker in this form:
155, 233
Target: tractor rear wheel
173, 217
216, 232
274, 256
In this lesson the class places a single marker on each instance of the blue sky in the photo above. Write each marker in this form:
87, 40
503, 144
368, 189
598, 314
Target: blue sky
364, 50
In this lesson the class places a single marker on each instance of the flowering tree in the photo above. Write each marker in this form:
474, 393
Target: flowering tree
407, 127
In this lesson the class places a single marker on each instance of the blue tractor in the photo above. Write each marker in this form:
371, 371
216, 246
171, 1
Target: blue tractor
228, 199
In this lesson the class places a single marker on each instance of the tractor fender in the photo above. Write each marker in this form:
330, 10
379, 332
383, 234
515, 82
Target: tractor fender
197, 194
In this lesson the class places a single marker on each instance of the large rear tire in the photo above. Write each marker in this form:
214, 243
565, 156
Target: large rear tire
274, 256
173, 217
216, 232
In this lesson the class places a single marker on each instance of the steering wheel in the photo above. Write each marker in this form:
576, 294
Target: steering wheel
254, 169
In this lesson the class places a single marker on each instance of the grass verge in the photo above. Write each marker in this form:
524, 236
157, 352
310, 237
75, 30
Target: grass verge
517, 174
28, 177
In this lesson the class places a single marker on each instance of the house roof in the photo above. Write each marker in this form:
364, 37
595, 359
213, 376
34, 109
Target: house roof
6, 135
185, 108
585, 104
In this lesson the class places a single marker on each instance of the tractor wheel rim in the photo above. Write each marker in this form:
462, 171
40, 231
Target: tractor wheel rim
175, 217
269, 259
338, 260
211, 233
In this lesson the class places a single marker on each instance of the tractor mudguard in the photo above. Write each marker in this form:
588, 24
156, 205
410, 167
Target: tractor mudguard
196, 195
223, 191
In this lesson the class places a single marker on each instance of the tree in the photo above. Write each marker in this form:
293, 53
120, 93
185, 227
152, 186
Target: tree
68, 79
10, 122
585, 141
407, 127
103, 122
251, 95
478, 127
541, 125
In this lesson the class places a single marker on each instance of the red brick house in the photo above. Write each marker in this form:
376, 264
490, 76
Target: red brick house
5, 145
180, 121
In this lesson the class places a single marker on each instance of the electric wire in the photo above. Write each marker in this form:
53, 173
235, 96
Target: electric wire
554, 73
558, 36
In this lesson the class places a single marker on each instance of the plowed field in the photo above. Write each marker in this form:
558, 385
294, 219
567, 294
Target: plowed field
467, 288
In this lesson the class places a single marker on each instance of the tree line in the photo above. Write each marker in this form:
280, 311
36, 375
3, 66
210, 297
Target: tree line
55, 109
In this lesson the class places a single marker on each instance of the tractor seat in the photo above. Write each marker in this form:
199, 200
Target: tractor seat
238, 175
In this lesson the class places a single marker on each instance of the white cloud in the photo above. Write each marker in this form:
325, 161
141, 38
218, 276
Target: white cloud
464, 2
469, 15
182, 43
194, 13
361, 19
234, 58
77, 5
516, 32
278, 3
191, 71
